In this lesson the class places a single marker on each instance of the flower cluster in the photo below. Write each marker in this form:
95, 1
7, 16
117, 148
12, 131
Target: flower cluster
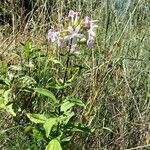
77, 32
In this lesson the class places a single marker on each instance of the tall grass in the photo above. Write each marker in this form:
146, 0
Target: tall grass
115, 84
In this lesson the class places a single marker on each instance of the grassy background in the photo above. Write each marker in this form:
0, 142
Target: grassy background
116, 83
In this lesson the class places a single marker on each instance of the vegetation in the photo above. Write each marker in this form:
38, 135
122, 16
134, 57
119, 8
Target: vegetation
94, 97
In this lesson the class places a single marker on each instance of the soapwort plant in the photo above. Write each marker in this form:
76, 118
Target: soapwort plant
56, 126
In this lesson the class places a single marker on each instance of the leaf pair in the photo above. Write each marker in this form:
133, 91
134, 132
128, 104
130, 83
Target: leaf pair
48, 123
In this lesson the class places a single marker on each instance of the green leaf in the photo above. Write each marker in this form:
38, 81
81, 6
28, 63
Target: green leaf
27, 128
47, 93
56, 86
10, 110
66, 116
80, 128
66, 139
69, 116
37, 118
77, 101
4, 103
37, 134
54, 145
28, 49
6, 96
66, 105
49, 124
69, 102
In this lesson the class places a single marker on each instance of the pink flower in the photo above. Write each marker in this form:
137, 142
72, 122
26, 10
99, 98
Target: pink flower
87, 22
90, 41
74, 34
91, 34
72, 14
91, 31
55, 37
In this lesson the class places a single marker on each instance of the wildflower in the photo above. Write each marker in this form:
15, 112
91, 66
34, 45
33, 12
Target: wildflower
91, 35
52, 35
87, 22
74, 34
72, 14
74, 17
90, 41
91, 31
55, 37
72, 37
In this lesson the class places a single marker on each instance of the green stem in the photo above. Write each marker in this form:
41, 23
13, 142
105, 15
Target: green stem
67, 65
64, 80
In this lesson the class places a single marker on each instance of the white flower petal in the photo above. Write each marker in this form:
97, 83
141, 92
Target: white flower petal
68, 37
91, 32
70, 29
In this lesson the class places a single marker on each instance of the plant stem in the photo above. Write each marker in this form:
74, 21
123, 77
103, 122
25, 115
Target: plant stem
64, 80
67, 65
